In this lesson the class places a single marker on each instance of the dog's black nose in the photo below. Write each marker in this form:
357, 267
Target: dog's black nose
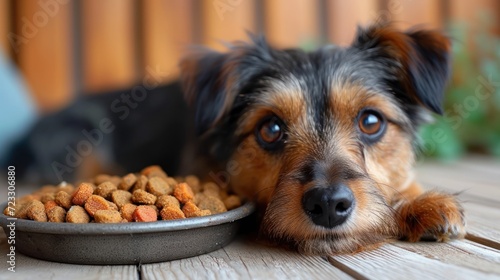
328, 207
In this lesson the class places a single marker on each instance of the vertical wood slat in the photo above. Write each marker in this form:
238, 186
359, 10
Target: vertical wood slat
167, 29
345, 16
44, 50
291, 23
4, 25
425, 13
227, 21
108, 52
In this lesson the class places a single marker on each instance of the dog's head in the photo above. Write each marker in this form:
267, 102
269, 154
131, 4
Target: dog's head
323, 139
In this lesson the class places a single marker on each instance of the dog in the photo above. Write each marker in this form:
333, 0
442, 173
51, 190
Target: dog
324, 141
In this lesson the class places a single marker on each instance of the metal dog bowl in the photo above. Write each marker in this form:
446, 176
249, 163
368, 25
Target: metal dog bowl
127, 243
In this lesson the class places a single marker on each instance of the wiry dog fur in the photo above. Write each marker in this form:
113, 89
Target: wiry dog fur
318, 97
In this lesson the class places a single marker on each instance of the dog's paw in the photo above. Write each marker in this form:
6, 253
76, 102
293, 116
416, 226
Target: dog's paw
431, 216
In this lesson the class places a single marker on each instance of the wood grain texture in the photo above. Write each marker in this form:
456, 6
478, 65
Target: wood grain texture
483, 224
44, 51
109, 52
225, 21
477, 185
292, 23
394, 262
167, 32
245, 259
5, 26
345, 16
464, 253
30, 268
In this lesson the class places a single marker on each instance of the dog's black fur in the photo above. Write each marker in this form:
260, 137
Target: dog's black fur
156, 131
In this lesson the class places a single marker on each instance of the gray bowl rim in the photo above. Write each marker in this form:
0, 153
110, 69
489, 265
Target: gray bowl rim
25, 225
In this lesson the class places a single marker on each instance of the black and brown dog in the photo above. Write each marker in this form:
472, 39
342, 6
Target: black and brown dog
323, 141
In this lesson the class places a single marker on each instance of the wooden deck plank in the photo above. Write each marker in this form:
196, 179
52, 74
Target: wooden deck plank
30, 268
463, 253
479, 186
394, 262
482, 224
245, 259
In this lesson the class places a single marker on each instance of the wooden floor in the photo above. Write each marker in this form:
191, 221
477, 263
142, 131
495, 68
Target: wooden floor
476, 257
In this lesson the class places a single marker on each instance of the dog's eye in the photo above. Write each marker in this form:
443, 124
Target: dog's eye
270, 132
372, 124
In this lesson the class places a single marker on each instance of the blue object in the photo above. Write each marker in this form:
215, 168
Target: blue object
17, 110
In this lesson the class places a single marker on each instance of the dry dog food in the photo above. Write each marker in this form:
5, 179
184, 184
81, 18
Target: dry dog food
145, 197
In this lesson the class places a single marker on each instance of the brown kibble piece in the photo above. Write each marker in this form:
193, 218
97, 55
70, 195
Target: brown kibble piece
116, 180
232, 201
167, 200
77, 215
193, 182
158, 186
157, 211
154, 171
144, 213
20, 210
127, 211
112, 206
101, 178
213, 204
105, 189
143, 197
95, 203
191, 210
107, 216
148, 196
26, 199
183, 192
47, 197
121, 197
49, 205
171, 182
63, 199
171, 213
211, 189
57, 214
141, 183
205, 212
68, 188
198, 197
127, 181
82, 193
36, 211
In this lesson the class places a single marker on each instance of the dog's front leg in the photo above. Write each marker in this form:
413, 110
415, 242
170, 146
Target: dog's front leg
428, 215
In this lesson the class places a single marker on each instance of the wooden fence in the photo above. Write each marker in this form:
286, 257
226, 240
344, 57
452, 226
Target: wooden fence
66, 47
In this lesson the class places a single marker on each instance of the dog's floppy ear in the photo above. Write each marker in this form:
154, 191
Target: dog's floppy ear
205, 76
211, 80
422, 55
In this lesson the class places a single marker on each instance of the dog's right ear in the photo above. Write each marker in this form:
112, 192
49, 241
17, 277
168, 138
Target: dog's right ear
212, 80
205, 80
